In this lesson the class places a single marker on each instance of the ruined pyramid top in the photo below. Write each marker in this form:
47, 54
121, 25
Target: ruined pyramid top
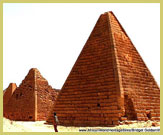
34, 71
7, 93
11, 85
33, 77
34, 74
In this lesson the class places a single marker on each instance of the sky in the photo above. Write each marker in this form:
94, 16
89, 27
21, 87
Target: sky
50, 36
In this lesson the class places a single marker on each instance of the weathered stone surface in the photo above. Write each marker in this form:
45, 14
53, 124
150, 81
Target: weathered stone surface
108, 81
32, 100
7, 93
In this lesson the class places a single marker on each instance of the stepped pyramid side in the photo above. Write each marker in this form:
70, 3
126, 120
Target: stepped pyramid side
90, 95
26, 101
109, 81
140, 91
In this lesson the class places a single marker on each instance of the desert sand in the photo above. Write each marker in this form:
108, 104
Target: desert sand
40, 126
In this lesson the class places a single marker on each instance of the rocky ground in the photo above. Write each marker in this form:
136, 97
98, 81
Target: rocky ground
40, 126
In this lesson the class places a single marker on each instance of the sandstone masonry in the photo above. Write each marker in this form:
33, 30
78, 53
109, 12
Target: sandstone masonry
109, 81
32, 100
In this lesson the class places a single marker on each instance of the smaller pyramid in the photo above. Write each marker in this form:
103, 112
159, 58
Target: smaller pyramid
7, 93
32, 100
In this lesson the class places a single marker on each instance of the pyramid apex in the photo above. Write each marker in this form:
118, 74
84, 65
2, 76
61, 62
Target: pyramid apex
33, 69
109, 12
11, 84
32, 73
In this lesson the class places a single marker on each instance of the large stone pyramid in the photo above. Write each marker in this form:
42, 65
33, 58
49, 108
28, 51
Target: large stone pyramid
32, 100
109, 81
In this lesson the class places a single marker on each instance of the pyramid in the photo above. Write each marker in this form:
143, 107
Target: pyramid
7, 93
32, 100
109, 81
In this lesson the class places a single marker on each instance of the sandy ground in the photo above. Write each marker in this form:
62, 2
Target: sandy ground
39, 126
